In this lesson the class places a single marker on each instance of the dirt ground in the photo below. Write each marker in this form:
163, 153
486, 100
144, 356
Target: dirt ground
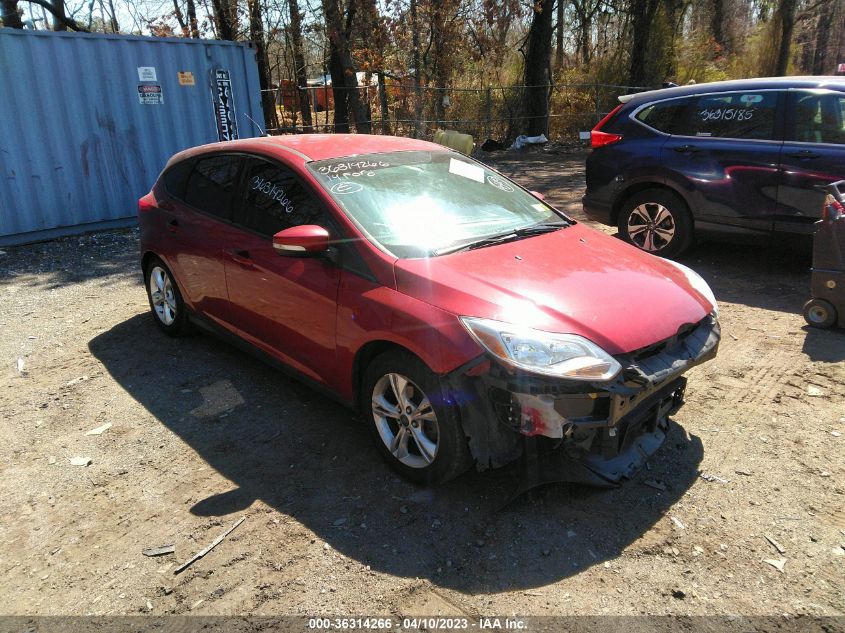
202, 435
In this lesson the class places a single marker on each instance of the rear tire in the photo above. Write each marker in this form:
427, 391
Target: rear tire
168, 308
819, 313
417, 432
656, 221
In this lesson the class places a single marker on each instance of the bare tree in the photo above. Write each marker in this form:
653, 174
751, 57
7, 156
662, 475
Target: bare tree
339, 41
256, 35
537, 72
299, 63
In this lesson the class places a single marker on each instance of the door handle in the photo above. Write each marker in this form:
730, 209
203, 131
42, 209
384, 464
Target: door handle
804, 153
686, 149
241, 257
173, 225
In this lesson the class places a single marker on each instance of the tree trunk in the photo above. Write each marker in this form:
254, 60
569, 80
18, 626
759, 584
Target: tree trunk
536, 75
340, 46
642, 16
786, 16
339, 92
115, 27
440, 71
11, 17
559, 36
192, 20
415, 55
58, 15
177, 12
223, 20
256, 34
299, 62
820, 63
718, 27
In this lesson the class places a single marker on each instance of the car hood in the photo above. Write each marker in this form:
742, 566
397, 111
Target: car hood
575, 280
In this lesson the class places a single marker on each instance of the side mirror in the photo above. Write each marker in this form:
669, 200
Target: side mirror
537, 195
306, 240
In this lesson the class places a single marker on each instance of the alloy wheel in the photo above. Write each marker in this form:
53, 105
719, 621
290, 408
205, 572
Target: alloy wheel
651, 226
162, 295
405, 420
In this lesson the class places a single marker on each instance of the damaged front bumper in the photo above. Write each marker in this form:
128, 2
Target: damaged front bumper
565, 430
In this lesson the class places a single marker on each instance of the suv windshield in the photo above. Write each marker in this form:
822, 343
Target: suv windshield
422, 204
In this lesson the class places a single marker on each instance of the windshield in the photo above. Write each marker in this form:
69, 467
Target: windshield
420, 204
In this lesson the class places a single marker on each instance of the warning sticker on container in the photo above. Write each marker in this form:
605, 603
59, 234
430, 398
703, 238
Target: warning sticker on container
150, 94
186, 78
146, 73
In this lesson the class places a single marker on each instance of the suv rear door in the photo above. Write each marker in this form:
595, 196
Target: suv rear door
813, 154
726, 157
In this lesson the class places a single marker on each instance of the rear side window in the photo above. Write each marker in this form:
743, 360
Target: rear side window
819, 118
212, 183
748, 115
275, 200
665, 116
176, 178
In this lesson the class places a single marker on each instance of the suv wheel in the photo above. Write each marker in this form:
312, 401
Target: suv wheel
656, 221
415, 429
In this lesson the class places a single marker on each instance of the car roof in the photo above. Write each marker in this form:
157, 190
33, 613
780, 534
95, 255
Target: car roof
760, 83
310, 147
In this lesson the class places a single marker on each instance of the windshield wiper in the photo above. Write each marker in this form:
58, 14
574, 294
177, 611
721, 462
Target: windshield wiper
545, 227
515, 234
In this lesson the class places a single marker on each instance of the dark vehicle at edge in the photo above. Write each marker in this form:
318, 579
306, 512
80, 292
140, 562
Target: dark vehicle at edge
724, 159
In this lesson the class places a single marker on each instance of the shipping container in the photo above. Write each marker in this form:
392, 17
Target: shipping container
87, 121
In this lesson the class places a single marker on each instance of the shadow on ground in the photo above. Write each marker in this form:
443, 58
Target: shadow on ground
72, 260
284, 444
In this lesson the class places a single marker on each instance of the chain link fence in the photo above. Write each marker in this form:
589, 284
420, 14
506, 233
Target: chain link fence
395, 106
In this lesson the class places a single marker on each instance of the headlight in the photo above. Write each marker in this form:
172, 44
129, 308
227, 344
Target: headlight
561, 355
695, 280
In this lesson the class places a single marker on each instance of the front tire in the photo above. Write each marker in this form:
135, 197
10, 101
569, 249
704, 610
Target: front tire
819, 313
656, 221
417, 432
166, 303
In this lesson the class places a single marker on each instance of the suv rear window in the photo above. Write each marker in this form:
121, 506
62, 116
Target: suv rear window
665, 116
748, 115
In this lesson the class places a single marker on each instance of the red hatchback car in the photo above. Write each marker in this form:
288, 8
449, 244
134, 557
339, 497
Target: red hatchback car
465, 318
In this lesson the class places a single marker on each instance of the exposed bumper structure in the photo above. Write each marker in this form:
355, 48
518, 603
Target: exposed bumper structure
572, 431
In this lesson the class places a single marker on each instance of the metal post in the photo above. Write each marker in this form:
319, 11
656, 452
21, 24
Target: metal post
489, 112
382, 89
326, 102
598, 111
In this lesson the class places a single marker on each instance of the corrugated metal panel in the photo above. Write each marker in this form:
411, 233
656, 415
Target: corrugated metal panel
76, 144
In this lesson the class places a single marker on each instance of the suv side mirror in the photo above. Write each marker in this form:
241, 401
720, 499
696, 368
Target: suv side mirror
306, 240
537, 195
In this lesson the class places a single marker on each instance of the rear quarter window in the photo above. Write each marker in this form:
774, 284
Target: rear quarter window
176, 178
745, 115
665, 116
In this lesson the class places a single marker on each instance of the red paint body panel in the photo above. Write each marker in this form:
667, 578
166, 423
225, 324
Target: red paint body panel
316, 316
576, 281
285, 306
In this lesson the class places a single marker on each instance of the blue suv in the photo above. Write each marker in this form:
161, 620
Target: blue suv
731, 158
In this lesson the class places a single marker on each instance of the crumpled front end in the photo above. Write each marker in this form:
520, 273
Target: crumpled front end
565, 430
